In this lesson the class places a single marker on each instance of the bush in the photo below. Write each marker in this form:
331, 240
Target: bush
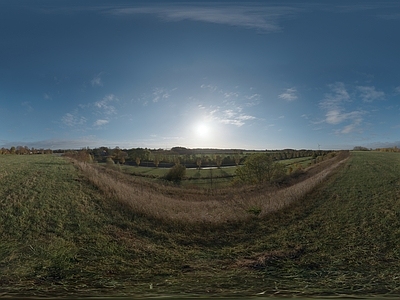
260, 168
176, 173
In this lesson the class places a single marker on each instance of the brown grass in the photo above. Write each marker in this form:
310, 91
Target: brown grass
195, 206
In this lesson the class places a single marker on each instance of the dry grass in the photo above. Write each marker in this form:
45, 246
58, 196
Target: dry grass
194, 206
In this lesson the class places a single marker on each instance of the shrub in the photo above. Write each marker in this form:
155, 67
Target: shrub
109, 161
260, 168
176, 173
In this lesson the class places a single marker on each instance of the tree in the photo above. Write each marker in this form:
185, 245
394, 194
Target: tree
156, 160
218, 161
137, 161
236, 158
198, 163
260, 168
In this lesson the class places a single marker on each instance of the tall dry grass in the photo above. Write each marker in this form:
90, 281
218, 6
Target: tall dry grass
146, 199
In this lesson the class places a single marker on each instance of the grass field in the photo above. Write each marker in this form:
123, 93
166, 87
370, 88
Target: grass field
62, 235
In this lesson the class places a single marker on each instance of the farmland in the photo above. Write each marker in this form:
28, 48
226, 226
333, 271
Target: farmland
64, 233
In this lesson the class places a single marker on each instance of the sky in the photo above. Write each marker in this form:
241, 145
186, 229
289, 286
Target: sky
199, 74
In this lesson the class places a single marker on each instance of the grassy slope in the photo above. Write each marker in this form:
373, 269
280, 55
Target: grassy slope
59, 235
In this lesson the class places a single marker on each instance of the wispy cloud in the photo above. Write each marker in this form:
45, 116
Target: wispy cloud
97, 81
252, 100
100, 122
337, 96
161, 94
209, 87
370, 94
289, 95
233, 116
336, 114
73, 120
103, 106
231, 95
261, 18
27, 106
393, 16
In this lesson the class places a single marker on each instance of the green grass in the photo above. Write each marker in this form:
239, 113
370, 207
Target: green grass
195, 178
190, 173
303, 161
61, 236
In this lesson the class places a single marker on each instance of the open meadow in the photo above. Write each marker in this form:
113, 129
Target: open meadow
75, 229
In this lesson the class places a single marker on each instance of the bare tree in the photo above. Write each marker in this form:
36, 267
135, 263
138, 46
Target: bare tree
218, 161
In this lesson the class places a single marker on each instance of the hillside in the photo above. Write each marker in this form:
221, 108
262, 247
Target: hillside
62, 235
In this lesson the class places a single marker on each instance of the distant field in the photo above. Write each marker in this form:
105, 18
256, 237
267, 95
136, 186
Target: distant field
205, 177
61, 236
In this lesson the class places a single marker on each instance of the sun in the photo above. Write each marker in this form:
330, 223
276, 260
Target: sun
202, 130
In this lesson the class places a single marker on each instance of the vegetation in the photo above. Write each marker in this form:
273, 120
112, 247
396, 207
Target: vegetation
80, 229
260, 168
176, 173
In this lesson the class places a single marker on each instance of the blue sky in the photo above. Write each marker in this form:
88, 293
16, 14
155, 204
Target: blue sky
221, 74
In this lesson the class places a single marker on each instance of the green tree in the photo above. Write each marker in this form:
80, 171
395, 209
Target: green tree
156, 160
260, 168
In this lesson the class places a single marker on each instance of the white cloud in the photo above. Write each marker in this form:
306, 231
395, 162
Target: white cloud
261, 18
73, 120
231, 94
336, 114
347, 129
333, 100
209, 87
160, 94
100, 122
289, 95
370, 94
104, 105
229, 117
397, 90
252, 100
46, 96
96, 81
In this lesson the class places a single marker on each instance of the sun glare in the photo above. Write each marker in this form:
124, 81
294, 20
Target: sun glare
202, 130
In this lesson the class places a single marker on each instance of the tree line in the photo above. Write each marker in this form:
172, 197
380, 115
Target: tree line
24, 150
184, 156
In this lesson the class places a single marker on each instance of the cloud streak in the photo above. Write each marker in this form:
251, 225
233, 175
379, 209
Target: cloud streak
261, 18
